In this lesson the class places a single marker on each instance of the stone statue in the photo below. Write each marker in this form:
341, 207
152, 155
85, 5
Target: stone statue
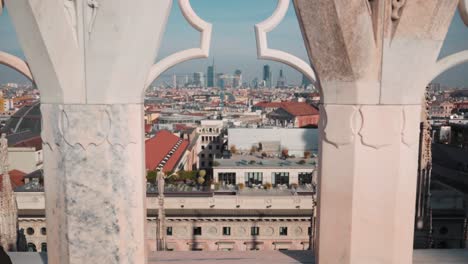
3, 152
161, 182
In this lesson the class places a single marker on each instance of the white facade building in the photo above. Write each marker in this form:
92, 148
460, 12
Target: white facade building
296, 140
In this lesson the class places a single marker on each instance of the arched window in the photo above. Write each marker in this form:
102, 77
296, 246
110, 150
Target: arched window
31, 247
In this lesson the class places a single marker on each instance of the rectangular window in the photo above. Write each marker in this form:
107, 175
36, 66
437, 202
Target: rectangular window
226, 231
280, 178
217, 146
202, 147
255, 231
210, 156
169, 231
227, 177
305, 178
202, 155
309, 231
283, 231
210, 147
202, 164
253, 178
197, 231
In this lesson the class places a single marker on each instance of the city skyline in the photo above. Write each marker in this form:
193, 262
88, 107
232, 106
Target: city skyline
233, 42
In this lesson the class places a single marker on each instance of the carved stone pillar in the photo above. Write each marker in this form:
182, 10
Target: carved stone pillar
368, 163
91, 60
373, 60
94, 167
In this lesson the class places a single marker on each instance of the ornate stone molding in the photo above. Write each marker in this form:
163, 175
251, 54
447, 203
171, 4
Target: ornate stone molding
340, 129
388, 71
200, 25
377, 126
94, 125
411, 119
264, 52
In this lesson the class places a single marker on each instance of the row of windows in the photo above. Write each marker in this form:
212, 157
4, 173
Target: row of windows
30, 231
210, 147
254, 231
210, 129
209, 155
211, 138
257, 178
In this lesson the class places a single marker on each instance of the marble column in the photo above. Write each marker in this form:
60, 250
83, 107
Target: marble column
368, 163
91, 60
373, 60
94, 167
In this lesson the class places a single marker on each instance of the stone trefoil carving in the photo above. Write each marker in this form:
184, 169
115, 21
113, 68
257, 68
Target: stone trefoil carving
264, 52
188, 54
397, 6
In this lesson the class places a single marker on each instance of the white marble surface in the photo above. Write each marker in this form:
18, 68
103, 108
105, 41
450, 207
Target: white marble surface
84, 51
95, 196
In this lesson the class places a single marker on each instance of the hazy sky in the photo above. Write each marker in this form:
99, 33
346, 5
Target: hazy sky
233, 42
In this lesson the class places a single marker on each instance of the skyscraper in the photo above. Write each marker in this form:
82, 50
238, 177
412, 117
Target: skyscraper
198, 79
220, 80
305, 81
211, 76
267, 75
237, 82
281, 83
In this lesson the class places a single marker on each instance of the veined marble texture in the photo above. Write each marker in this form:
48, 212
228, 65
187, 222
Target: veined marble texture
95, 183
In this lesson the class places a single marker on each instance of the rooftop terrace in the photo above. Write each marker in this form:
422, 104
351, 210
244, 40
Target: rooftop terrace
253, 161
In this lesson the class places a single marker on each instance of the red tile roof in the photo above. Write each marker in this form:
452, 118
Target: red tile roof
294, 108
159, 146
299, 109
16, 177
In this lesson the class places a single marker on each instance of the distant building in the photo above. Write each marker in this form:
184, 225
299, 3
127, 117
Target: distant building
272, 140
220, 80
255, 172
211, 76
267, 75
281, 83
198, 79
292, 114
305, 81
237, 82
441, 109
211, 136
